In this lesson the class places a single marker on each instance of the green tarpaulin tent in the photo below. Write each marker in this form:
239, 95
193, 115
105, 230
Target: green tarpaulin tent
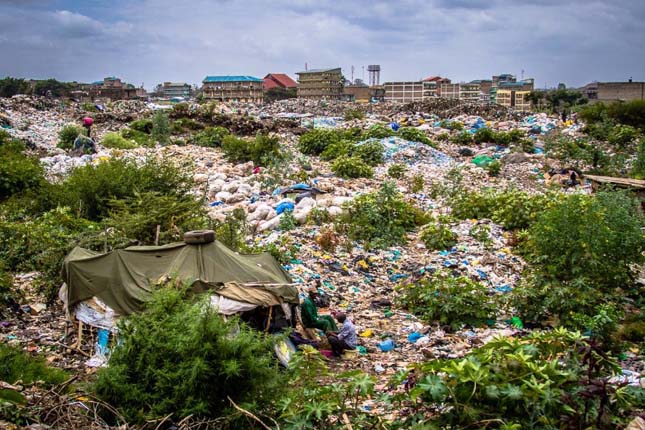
123, 279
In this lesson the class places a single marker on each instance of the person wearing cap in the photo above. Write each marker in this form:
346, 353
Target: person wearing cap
345, 339
87, 123
310, 317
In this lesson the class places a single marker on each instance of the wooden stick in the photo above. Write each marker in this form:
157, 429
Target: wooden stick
157, 235
249, 414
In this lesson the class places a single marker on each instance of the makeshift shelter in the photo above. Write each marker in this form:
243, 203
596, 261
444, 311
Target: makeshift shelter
123, 279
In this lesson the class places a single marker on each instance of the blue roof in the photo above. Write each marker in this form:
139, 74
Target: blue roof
512, 84
238, 78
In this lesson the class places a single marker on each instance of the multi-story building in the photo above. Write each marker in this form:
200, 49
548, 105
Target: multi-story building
513, 94
111, 88
175, 89
243, 89
449, 91
403, 91
321, 84
432, 86
614, 91
469, 92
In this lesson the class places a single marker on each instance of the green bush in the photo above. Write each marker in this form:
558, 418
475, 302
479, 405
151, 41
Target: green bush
141, 138
115, 140
183, 125
415, 135
638, 169
622, 135
451, 125
552, 380
180, 110
18, 171
378, 131
88, 107
516, 135
287, 221
503, 139
160, 128
448, 300
494, 168
463, 138
315, 141
628, 113
381, 219
351, 167
417, 183
599, 130
371, 152
18, 366
351, 114
481, 233
580, 252
337, 149
210, 137
437, 237
443, 137
397, 171
262, 150
484, 135
68, 134
7, 292
181, 358
142, 125
88, 189
318, 216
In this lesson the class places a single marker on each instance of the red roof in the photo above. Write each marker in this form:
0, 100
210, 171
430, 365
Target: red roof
273, 80
436, 79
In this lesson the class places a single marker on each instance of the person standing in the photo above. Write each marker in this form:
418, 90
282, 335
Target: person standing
345, 339
87, 124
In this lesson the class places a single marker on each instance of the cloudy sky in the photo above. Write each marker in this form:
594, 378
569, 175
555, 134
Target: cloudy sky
151, 41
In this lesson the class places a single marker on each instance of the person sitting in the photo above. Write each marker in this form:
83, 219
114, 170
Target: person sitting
345, 339
310, 317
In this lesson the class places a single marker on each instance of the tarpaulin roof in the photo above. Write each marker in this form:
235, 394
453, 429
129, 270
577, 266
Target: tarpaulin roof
123, 279
236, 78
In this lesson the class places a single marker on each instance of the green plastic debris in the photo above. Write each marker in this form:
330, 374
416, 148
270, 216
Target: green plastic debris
388, 313
482, 160
517, 323
361, 350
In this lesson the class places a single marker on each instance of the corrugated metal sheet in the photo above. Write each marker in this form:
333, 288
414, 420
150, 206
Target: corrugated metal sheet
232, 78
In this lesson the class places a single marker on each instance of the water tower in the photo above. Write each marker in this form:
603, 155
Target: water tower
374, 71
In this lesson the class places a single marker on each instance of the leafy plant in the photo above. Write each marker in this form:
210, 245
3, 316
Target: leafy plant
337, 149
160, 128
17, 366
462, 138
287, 221
554, 380
318, 216
142, 125
233, 230
415, 135
397, 170
417, 183
351, 114
481, 233
260, 150
371, 152
18, 171
67, 135
315, 141
437, 236
622, 135
351, 167
181, 358
484, 135
210, 137
327, 239
115, 140
448, 300
380, 219
378, 131
494, 168
638, 169
140, 137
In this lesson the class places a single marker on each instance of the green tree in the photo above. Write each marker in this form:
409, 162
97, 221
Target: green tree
11, 86
160, 128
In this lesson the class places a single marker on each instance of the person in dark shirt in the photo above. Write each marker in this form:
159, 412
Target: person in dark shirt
310, 317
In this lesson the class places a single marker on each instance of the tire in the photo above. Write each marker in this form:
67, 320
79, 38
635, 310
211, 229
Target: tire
197, 237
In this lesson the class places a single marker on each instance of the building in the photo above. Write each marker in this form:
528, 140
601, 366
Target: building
614, 91
449, 91
175, 89
432, 86
321, 84
279, 80
470, 92
484, 89
242, 89
364, 93
111, 88
513, 94
403, 92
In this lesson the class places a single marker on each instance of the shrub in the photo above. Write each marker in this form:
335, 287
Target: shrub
516, 135
415, 135
378, 131
287, 221
210, 137
88, 107
443, 137
481, 233
183, 125
262, 150
351, 167
160, 128
18, 366
628, 113
180, 110
18, 172
638, 169
371, 152
580, 252
142, 125
337, 149
417, 183
314, 142
494, 168
436, 237
139, 137
448, 300
67, 135
181, 358
527, 145
463, 138
552, 380
397, 170
382, 218
318, 216
115, 140
484, 135
599, 130
502, 138
327, 239
233, 230
622, 135
7, 293
351, 114
88, 189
